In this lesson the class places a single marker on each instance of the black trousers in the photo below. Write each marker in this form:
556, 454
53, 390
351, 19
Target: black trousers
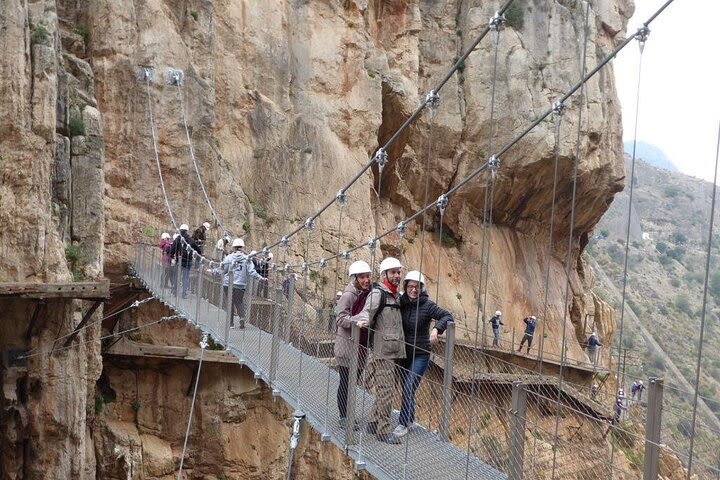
342, 391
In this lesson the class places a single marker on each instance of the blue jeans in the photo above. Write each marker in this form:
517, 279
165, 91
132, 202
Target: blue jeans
496, 337
185, 280
411, 373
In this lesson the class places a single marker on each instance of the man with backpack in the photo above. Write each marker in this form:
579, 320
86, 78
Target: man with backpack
182, 250
382, 316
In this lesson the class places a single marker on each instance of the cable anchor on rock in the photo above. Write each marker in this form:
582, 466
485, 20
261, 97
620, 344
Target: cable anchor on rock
309, 224
345, 255
558, 108
323, 262
372, 243
204, 342
401, 228
174, 77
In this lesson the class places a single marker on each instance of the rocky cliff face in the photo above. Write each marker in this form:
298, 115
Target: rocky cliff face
285, 101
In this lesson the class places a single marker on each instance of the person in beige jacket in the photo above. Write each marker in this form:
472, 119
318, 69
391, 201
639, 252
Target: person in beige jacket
381, 315
350, 304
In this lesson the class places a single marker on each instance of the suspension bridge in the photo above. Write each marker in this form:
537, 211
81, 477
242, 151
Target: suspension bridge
275, 342
483, 411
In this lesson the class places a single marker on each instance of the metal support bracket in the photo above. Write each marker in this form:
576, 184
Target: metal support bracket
174, 77
497, 22
146, 73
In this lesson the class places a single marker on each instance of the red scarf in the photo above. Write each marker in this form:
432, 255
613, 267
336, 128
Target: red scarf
391, 287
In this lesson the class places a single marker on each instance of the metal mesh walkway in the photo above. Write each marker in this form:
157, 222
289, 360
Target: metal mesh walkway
308, 384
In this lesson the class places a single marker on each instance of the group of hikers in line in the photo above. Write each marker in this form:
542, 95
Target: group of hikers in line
234, 265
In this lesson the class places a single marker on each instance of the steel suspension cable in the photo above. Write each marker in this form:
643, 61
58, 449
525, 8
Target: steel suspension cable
704, 307
147, 76
558, 126
213, 212
498, 23
203, 346
627, 229
100, 339
568, 264
432, 112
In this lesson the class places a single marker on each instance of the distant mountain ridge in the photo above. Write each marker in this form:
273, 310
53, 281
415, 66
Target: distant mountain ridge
651, 154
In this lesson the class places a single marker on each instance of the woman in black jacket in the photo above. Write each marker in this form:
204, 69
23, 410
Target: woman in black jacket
418, 311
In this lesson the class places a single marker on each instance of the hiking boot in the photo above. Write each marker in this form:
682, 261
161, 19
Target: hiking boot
400, 431
388, 438
371, 427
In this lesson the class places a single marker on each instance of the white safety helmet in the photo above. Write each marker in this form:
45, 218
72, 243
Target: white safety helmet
165, 235
641, 382
414, 275
254, 252
358, 267
175, 235
338, 294
533, 317
269, 255
389, 263
498, 313
184, 226
206, 225
238, 242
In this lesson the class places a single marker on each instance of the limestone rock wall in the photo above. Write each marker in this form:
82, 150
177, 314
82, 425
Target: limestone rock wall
51, 207
286, 100
140, 428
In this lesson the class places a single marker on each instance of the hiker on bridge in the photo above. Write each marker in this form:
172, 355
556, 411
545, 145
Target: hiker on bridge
264, 270
199, 235
382, 315
530, 324
183, 250
495, 322
619, 406
165, 246
592, 350
239, 265
418, 312
350, 304
221, 248
636, 391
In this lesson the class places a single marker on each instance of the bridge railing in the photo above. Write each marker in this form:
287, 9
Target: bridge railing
480, 429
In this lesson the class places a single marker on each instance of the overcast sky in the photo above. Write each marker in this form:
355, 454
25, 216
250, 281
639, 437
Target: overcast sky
680, 88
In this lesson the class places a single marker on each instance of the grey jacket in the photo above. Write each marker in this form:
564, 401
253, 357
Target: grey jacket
240, 266
389, 340
344, 321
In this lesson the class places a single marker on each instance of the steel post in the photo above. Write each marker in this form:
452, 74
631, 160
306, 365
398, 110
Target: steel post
447, 381
517, 431
291, 296
201, 275
274, 348
652, 429
352, 386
